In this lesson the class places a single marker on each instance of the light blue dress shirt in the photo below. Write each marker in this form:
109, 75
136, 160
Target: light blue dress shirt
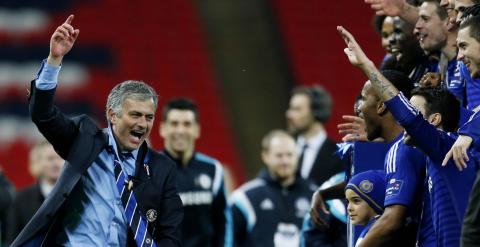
94, 212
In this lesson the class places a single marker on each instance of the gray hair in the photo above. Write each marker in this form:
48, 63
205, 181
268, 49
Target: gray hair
136, 90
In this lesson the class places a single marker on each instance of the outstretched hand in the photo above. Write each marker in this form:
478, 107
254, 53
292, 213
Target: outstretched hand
387, 7
319, 208
459, 152
62, 41
354, 52
353, 129
430, 79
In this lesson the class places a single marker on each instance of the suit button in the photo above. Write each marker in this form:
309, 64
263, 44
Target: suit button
65, 194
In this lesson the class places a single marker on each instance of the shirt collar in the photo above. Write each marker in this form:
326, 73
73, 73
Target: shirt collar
113, 144
314, 142
399, 137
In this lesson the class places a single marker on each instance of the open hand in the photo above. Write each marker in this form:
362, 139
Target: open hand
459, 152
353, 130
353, 51
387, 7
430, 79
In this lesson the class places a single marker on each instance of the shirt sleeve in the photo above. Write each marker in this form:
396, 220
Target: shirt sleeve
434, 142
221, 213
405, 169
472, 128
47, 76
243, 217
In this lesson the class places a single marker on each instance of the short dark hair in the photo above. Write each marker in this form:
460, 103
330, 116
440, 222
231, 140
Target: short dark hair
474, 24
441, 12
471, 11
320, 101
400, 80
184, 104
378, 23
440, 100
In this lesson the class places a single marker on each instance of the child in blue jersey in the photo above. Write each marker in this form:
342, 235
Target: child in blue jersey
365, 194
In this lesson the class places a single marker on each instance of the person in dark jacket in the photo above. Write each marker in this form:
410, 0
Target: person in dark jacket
114, 189
269, 210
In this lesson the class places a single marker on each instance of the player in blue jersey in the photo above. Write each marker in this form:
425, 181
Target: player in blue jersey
404, 191
449, 189
200, 179
468, 42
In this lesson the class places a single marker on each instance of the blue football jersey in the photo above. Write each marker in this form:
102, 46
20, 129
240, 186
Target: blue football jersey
449, 188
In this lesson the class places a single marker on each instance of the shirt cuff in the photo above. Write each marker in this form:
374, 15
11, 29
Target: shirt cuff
47, 76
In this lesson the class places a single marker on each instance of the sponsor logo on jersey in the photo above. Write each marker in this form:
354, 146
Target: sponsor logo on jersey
266, 204
204, 181
394, 187
196, 198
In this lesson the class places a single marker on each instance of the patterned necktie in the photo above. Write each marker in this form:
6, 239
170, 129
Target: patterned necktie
137, 223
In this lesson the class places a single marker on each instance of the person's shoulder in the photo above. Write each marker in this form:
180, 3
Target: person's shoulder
401, 147
85, 123
309, 187
208, 162
27, 192
203, 158
249, 189
330, 143
160, 159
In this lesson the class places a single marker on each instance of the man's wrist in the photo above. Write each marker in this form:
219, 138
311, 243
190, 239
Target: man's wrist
55, 61
367, 66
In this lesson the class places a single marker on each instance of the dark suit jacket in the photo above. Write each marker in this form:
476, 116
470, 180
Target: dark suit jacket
326, 164
25, 204
79, 141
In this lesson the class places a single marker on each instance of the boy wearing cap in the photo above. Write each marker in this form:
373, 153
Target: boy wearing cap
365, 194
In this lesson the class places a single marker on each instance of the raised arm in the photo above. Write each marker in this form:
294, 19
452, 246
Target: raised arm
62, 41
357, 57
55, 126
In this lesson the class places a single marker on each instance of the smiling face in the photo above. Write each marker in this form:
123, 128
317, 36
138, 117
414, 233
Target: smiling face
386, 33
469, 51
430, 29
179, 131
403, 40
132, 126
281, 157
358, 209
449, 6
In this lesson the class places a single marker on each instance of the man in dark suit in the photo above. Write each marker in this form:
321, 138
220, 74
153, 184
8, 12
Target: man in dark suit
309, 110
114, 190
45, 165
